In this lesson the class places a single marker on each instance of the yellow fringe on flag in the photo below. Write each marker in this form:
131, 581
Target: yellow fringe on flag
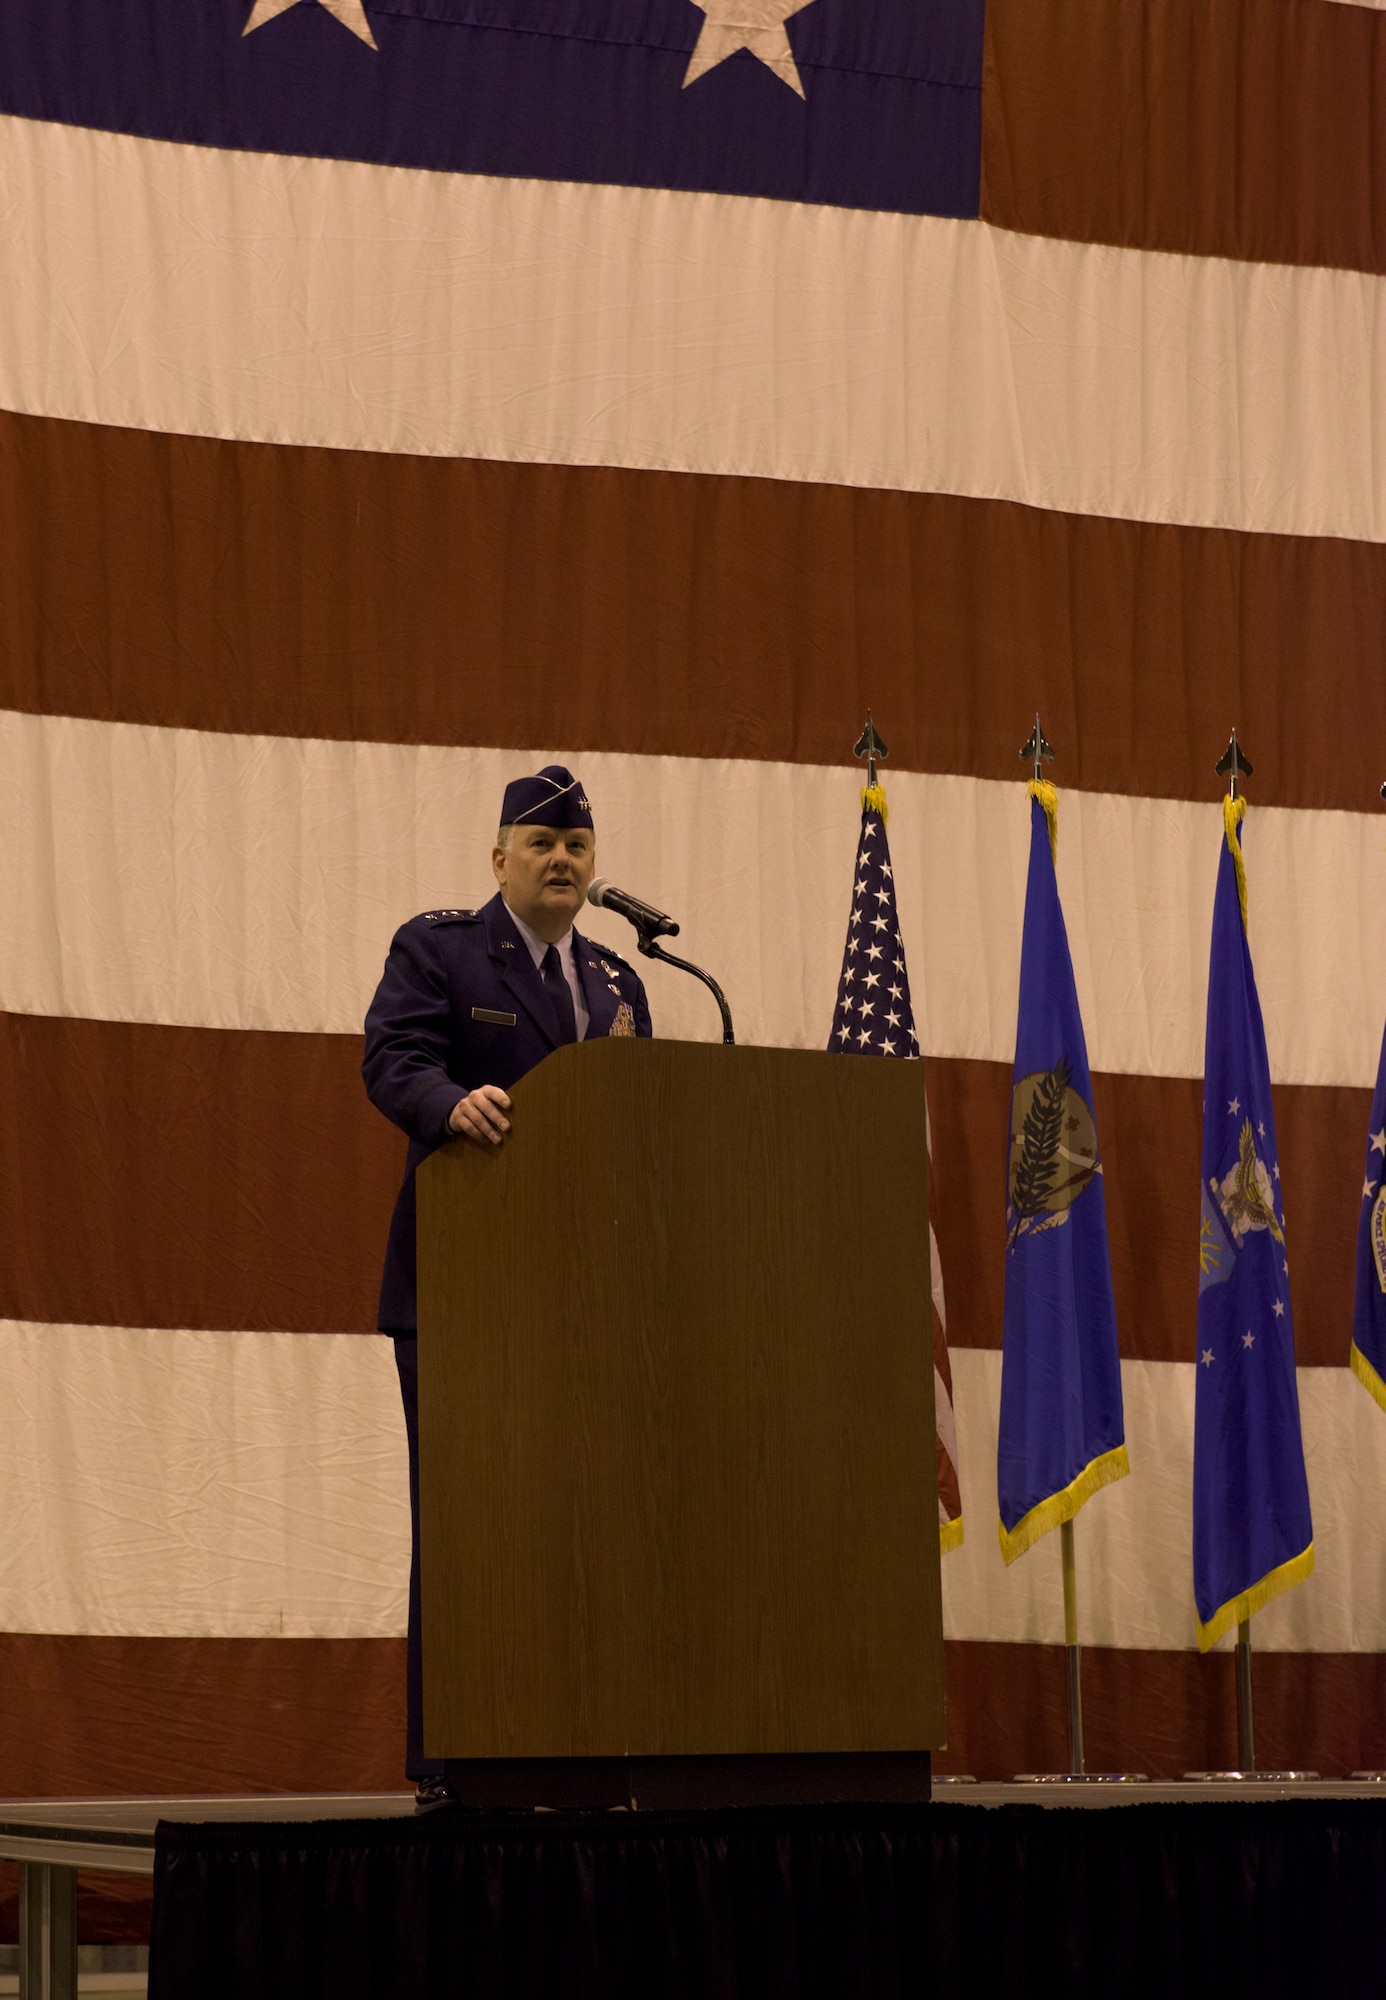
1233, 812
873, 800
1367, 1376
950, 1535
1062, 1506
1260, 1594
1047, 794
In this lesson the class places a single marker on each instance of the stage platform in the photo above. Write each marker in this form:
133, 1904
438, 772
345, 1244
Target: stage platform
346, 1894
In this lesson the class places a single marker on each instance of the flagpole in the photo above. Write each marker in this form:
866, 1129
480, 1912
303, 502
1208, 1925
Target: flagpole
1074, 1652
1246, 1718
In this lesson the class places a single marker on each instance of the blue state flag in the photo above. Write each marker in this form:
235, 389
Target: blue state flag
1252, 1533
1062, 1433
1368, 1355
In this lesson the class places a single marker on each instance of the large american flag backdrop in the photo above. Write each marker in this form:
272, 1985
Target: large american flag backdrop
398, 397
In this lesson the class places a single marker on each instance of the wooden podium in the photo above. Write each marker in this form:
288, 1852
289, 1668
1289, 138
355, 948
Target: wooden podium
678, 1488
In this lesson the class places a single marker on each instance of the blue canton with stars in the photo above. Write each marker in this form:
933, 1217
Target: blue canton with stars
1252, 1532
871, 104
873, 1016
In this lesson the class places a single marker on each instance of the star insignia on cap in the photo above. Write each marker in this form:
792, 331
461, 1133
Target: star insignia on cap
350, 13
757, 25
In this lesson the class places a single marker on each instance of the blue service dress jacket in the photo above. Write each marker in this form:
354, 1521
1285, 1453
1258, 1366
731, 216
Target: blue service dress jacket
461, 1003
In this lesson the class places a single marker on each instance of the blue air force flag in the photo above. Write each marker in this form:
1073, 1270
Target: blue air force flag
1062, 1434
1369, 1310
874, 1017
1252, 1535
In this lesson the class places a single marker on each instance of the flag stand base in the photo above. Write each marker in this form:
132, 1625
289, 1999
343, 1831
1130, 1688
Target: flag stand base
1079, 1778
1254, 1777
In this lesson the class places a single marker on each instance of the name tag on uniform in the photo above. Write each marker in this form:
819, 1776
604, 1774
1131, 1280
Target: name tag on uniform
490, 1014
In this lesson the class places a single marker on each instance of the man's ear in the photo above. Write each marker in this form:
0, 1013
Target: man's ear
498, 864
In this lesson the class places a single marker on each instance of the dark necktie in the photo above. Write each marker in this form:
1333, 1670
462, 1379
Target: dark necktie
556, 986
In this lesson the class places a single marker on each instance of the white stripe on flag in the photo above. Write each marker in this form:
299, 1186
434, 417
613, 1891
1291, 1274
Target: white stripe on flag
182, 288
232, 1485
182, 876
1134, 1539
253, 1485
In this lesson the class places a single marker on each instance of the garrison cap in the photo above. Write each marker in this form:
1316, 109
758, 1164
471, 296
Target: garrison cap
552, 797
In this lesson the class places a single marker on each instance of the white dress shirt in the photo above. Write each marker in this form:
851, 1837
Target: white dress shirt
564, 947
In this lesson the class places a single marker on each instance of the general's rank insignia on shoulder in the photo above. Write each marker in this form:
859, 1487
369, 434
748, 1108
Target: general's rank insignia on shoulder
624, 1023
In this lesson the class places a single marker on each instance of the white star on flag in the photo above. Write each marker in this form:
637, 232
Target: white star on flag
729, 25
1378, 1144
350, 13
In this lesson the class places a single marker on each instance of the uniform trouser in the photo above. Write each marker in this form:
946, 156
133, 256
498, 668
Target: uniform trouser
416, 1765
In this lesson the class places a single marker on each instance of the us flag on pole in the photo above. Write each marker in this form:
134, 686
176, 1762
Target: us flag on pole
874, 1017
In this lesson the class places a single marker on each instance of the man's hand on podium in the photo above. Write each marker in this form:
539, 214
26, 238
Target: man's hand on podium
480, 1115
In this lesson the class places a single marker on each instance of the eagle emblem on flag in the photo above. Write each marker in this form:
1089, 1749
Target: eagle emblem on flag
1245, 1195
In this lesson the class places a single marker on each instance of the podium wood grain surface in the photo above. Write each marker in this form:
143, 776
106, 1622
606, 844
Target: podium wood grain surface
676, 1412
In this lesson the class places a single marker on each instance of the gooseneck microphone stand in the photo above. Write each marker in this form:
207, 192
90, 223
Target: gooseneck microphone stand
649, 947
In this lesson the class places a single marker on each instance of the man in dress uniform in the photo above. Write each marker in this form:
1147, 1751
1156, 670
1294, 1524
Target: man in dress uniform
469, 1001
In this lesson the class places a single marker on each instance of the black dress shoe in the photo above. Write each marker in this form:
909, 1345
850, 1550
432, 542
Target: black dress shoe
431, 1794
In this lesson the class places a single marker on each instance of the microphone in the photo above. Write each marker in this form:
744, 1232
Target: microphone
650, 923
653, 925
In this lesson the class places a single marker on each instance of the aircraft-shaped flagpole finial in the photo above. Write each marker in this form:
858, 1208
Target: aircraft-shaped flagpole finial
870, 746
1233, 764
1037, 749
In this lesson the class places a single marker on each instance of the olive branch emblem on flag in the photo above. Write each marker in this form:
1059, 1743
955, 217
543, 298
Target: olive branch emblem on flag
1053, 1152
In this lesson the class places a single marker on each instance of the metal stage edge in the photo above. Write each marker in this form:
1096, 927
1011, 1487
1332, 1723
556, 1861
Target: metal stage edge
52, 1838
